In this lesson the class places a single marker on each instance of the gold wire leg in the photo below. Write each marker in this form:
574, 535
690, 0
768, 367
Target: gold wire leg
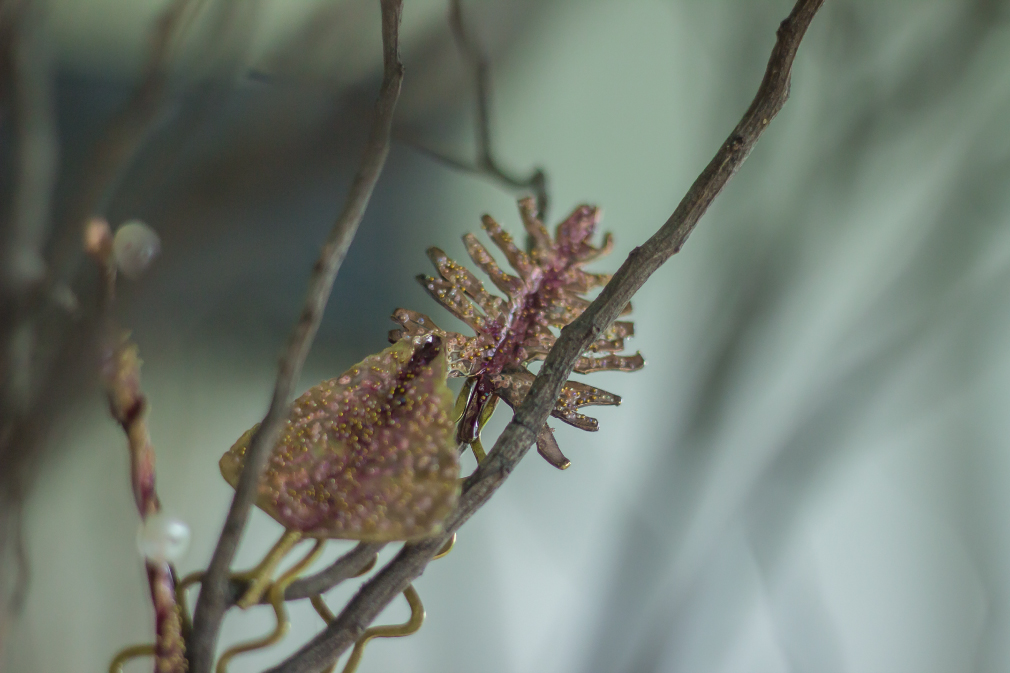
397, 631
275, 594
322, 609
446, 549
261, 573
485, 415
128, 653
180, 597
461, 400
261, 576
478, 450
411, 626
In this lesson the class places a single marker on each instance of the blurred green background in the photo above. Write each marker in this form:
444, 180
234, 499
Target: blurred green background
810, 474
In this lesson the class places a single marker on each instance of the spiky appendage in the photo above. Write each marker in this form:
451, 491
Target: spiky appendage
511, 332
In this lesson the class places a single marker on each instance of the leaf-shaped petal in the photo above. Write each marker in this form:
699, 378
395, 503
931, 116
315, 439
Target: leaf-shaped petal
368, 455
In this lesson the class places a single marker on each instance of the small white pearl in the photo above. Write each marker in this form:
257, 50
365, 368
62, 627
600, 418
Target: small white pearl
163, 538
134, 247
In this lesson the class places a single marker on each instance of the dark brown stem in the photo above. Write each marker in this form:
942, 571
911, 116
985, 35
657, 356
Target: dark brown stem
530, 416
486, 164
351, 564
213, 600
347, 566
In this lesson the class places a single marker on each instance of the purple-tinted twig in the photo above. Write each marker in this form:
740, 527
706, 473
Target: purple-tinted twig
120, 369
486, 164
530, 416
213, 600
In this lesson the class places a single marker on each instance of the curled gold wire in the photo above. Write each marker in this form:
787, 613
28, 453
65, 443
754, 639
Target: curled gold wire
275, 595
261, 574
180, 597
446, 548
128, 653
259, 578
322, 609
478, 450
397, 631
485, 414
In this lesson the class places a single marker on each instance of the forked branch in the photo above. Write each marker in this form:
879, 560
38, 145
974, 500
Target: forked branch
530, 416
214, 591
487, 163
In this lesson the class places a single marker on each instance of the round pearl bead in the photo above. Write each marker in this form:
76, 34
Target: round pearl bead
162, 538
134, 247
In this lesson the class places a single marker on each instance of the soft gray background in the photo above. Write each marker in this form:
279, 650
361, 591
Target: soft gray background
811, 473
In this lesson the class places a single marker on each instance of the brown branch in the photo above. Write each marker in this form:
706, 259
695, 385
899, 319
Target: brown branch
530, 416
212, 602
351, 564
486, 164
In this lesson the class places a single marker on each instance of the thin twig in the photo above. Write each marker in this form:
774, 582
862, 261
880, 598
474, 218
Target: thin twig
212, 602
530, 416
486, 164
351, 564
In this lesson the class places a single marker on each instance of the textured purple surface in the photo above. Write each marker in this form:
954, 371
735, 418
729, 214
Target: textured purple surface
368, 455
513, 331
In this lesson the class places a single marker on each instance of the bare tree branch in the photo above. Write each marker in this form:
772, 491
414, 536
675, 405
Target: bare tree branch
530, 416
212, 602
486, 163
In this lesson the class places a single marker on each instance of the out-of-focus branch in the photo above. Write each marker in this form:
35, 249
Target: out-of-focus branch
212, 602
26, 107
530, 416
124, 134
129, 127
486, 164
34, 118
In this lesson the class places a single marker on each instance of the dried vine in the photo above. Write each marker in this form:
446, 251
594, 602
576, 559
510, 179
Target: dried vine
487, 163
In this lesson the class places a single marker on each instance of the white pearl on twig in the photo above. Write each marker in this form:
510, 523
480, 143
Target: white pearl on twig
134, 247
162, 538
